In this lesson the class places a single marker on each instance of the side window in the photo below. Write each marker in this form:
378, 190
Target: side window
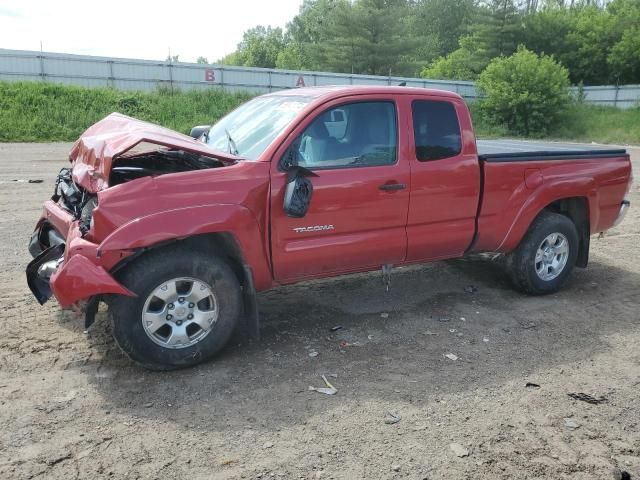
352, 135
436, 130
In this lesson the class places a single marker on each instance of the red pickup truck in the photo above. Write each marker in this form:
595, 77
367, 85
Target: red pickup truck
177, 234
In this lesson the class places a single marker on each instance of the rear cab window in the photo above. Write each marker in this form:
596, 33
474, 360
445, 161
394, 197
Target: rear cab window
436, 130
358, 134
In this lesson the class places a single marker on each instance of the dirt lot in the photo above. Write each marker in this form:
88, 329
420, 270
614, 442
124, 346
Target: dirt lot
73, 407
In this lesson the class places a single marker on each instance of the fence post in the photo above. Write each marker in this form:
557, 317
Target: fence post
171, 76
615, 100
111, 77
222, 77
269, 73
42, 74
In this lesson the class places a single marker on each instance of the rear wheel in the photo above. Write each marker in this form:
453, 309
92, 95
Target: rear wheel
545, 257
187, 306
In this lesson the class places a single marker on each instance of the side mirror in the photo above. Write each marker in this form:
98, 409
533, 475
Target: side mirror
298, 192
198, 131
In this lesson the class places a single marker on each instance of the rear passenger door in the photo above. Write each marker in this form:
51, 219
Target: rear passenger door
445, 179
357, 215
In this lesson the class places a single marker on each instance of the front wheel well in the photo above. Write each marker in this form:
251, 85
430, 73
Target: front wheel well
576, 209
221, 244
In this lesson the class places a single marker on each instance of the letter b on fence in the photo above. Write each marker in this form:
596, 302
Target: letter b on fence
209, 75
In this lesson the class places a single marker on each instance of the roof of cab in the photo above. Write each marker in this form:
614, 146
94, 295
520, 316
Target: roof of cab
344, 90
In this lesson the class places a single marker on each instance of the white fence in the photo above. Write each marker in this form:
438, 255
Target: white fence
129, 74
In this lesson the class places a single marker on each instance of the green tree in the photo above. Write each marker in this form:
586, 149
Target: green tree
259, 48
525, 92
368, 36
438, 25
624, 55
546, 31
465, 63
308, 31
589, 42
202, 60
294, 56
498, 29
624, 58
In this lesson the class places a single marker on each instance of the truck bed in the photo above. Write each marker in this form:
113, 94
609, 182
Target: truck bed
521, 150
519, 178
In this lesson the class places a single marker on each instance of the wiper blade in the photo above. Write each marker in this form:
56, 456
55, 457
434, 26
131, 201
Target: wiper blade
231, 145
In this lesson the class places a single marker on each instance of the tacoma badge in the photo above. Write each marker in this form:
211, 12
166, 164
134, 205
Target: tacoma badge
314, 228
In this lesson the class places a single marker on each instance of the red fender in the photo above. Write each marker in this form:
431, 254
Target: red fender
541, 197
185, 222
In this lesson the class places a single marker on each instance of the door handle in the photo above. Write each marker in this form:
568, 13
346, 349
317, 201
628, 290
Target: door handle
392, 186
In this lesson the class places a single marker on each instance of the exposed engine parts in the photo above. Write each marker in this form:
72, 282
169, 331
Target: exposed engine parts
81, 203
68, 194
158, 162
75, 199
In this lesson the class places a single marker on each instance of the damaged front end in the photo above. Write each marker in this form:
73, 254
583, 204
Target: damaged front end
48, 241
66, 243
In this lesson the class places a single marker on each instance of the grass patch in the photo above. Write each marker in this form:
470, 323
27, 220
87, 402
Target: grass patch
46, 112
579, 123
590, 123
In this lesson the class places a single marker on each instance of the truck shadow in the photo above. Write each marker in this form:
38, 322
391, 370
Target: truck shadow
385, 346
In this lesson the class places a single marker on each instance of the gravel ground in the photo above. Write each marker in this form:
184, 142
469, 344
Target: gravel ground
73, 407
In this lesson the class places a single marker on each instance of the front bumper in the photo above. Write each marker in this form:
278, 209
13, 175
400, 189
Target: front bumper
37, 278
70, 271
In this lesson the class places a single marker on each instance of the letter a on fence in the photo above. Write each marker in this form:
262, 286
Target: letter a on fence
300, 81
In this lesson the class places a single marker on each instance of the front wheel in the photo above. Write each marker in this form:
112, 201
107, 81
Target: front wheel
187, 306
546, 256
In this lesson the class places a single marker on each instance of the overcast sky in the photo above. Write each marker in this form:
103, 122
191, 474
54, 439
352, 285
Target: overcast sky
137, 28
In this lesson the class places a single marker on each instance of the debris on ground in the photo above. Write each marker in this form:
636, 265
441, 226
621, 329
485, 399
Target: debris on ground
585, 397
532, 385
267, 445
527, 325
395, 468
392, 418
384, 315
571, 424
344, 344
485, 340
459, 450
313, 353
452, 330
620, 474
451, 356
336, 328
443, 319
328, 390
430, 333
148, 405
470, 289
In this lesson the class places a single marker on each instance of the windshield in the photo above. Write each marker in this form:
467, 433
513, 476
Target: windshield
250, 128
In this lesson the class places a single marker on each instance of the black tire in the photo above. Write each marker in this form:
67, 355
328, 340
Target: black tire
146, 274
521, 262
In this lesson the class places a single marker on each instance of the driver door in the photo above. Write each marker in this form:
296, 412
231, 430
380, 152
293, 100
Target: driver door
357, 214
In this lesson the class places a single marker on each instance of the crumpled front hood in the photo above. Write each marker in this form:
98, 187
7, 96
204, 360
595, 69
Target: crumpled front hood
93, 154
